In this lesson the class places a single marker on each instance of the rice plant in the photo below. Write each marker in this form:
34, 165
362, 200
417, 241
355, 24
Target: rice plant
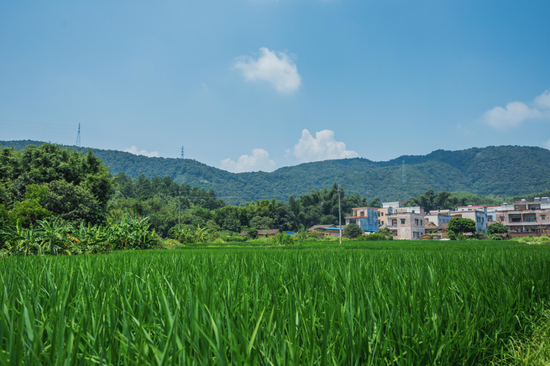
371, 304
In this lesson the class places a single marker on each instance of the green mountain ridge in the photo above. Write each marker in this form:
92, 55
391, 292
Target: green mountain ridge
494, 171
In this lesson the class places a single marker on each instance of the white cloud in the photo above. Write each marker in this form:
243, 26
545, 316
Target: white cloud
134, 150
543, 100
279, 70
517, 112
321, 147
259, 160
547, 144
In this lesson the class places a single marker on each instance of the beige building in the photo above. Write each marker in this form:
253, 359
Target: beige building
437, 218
406, 225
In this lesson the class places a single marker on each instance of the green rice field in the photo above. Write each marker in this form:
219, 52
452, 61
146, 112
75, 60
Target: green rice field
375, 303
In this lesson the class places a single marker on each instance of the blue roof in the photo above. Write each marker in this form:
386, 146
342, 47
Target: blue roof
331, 228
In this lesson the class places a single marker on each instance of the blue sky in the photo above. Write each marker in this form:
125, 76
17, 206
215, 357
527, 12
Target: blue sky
257, 84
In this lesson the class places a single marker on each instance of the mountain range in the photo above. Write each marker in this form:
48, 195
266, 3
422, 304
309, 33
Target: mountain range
494, 171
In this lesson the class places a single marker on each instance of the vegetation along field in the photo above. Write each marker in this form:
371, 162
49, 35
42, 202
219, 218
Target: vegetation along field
377, 303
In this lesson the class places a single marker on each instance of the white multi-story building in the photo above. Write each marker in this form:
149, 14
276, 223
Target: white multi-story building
480, 217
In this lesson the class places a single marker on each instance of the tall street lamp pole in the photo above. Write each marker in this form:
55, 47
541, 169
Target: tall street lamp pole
339, 216
179, 211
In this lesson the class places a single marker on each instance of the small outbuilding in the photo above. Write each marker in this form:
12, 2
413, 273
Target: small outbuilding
266, 233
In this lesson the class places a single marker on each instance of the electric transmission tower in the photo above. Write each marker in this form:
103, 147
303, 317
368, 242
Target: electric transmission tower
404, 177
182, 152
78, 136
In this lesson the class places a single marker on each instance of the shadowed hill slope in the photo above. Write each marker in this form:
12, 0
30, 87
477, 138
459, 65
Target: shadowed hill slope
496, 171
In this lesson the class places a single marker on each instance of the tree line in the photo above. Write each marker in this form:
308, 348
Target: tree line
49, 181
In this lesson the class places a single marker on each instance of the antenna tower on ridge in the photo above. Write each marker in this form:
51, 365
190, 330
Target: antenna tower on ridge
404, 178
182, 152
78, 136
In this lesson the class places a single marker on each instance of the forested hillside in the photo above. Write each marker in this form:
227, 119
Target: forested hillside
502, 171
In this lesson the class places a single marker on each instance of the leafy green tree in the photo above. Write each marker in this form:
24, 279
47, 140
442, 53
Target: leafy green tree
386, 232
261, 222
48, 163
451, 234
73, 203
375, 203
460, 225
497, 228
28, 212
353, 230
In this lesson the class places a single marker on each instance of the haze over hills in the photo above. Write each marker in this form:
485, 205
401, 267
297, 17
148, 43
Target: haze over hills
495, 171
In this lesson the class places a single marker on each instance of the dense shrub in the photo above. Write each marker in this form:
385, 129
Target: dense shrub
375, 237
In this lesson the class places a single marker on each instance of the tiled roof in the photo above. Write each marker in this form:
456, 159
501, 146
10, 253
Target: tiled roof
268, 232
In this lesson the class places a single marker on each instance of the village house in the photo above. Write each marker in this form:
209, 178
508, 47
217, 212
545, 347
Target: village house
479, 217
406, 225
525, 218
268, 233
327, 230
365, 217
490, 210
403, 222
437, 218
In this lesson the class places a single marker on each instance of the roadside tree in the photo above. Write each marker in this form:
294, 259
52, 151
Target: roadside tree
497, 228
353, 230
460, 225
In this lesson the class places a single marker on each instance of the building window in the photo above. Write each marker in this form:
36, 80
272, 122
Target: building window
514, 218
420, 222
381, 214
362, 213
416, 221
402, 221
543, 217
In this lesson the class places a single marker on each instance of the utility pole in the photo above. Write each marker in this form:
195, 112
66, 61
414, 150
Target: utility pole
179, 212
339, 216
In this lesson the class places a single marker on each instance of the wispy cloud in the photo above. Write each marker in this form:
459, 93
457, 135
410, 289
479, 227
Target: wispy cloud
516, 113
259, 160
547, 144
321, 147
278, 69
135, 151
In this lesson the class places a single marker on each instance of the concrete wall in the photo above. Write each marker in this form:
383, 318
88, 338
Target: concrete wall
437, 219
406, 225
416, 209
396, 204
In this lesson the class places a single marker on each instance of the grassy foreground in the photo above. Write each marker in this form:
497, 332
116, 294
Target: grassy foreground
372, 303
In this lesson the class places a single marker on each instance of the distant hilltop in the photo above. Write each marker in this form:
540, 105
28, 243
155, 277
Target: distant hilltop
494, 171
